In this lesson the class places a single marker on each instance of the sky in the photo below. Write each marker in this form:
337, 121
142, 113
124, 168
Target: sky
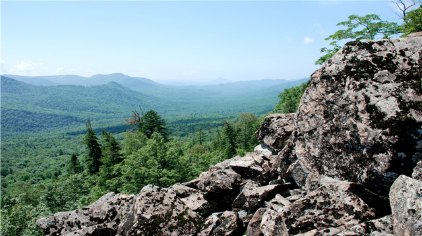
173, 41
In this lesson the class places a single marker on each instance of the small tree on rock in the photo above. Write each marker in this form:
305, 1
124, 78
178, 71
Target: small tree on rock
367, 27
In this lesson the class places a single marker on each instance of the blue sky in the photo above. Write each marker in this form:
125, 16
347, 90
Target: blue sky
174, 40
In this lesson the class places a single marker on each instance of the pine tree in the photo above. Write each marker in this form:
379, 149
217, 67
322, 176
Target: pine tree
94, 150
110, 157
152, 122
230, 140
246, 126
110, 149
74, 166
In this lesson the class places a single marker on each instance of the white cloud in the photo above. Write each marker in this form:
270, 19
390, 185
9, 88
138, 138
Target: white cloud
26, 68
308, 40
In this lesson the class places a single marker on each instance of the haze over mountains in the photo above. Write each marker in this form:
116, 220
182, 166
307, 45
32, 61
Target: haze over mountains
66, 100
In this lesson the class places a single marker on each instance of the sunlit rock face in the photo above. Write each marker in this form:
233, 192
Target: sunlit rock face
360, 118
328, 169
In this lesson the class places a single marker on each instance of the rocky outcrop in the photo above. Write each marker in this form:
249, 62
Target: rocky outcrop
326, 170
359, 119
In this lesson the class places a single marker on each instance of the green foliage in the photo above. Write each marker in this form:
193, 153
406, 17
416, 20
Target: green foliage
94, 150
65, 192
151, 123
74, 165
155, 163
110, 150
367, 27
290, 98
229, 140
110, 156
18, 218
413, 21
246, 126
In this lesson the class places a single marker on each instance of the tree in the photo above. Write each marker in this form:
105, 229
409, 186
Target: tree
110, 157
74, 166
110, 149
133, 141
94, 150
155, 163
290, 98
229, 140
246, 125
151, 122
358, 28
404, 6
413, 21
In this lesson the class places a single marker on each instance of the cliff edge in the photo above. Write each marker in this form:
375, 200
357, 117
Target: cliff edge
349, 162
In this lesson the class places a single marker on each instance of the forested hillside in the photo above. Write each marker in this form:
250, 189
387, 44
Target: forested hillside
69, 106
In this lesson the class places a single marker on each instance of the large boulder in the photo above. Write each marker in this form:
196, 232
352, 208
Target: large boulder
406, 206
360, 116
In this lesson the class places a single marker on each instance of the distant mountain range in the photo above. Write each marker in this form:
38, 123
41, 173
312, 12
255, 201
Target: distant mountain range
66, 100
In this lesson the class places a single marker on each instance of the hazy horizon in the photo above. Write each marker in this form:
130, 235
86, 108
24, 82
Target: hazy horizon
173, 42
181, 83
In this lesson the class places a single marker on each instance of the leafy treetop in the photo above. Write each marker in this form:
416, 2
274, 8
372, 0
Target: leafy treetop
358, 28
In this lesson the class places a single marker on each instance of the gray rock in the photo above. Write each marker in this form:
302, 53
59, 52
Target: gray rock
406, 206
265, 150
226, 223
246, 167
298, 173
331, 207
192, 198
154, 210
276, 130
255, 223
253, 196
381, 226
220, 187
101, 216
211, 222
359, 117
417, 171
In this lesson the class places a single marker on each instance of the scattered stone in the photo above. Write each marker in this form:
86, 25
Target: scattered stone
226, 223
194, 199
253, 196
246, 167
